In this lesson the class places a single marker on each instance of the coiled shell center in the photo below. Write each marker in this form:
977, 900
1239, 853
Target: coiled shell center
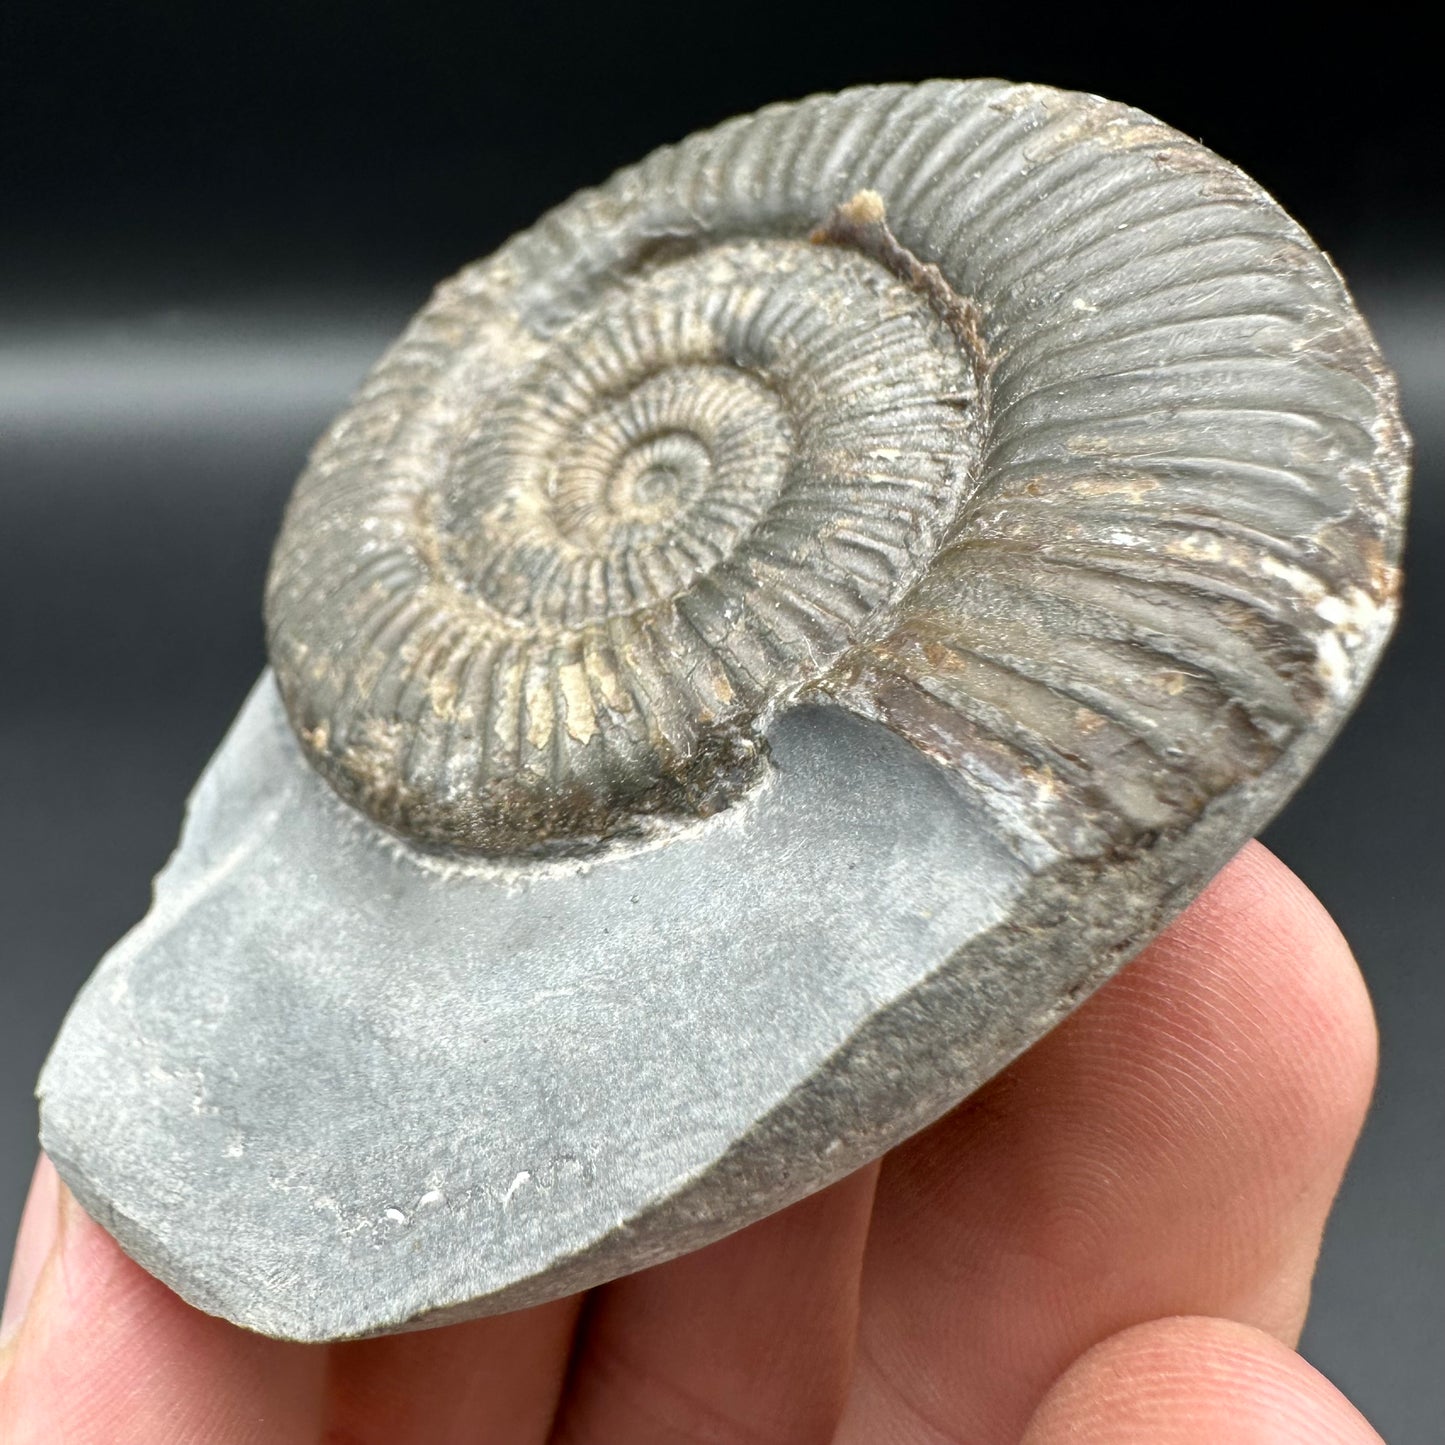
587, 563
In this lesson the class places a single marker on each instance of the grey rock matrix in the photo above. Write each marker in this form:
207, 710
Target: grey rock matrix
755, 653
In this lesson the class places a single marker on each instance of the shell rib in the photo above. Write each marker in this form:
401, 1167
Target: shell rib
1006, 416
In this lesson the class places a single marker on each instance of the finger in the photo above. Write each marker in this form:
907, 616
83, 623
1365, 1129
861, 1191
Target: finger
1195, 1382
1173, 1148
107, 1352
750, 1339
38, 1226
491, 1379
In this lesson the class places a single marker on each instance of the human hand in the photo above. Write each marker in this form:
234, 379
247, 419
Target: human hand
1111, 1242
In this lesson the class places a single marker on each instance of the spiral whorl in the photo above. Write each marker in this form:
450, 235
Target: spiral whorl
589, 561
1005, 416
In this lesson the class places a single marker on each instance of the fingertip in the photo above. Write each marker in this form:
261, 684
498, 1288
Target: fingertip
1172, 1148
1260, 935
1194, 1381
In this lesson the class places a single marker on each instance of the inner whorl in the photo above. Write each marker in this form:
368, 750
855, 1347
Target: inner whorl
568, 552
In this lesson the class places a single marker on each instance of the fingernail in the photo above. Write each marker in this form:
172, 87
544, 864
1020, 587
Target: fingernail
38, 1227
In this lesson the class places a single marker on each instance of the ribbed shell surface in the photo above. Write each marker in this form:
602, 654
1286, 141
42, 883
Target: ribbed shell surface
1074, 465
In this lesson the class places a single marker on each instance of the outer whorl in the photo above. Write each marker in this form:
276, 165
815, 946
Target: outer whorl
1004, 415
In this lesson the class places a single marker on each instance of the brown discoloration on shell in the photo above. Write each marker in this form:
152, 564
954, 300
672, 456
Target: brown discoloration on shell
862, 223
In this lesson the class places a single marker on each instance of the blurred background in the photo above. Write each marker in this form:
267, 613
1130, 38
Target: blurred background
212, 218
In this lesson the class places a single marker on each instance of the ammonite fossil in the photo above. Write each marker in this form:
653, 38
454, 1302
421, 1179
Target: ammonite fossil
774, 636
1053, 446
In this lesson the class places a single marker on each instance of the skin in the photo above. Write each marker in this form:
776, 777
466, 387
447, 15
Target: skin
1111, 1242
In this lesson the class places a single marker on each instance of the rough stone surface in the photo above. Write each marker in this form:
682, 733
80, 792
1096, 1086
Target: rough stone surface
708, 739
397, 1091
330, 1087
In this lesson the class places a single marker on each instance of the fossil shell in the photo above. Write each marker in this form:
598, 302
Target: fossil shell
1002, 476
1006, 416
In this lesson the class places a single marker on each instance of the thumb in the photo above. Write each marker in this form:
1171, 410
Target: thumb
38, 1228
96, 1349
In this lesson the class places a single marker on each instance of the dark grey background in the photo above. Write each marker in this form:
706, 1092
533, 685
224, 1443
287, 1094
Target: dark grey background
215, 216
